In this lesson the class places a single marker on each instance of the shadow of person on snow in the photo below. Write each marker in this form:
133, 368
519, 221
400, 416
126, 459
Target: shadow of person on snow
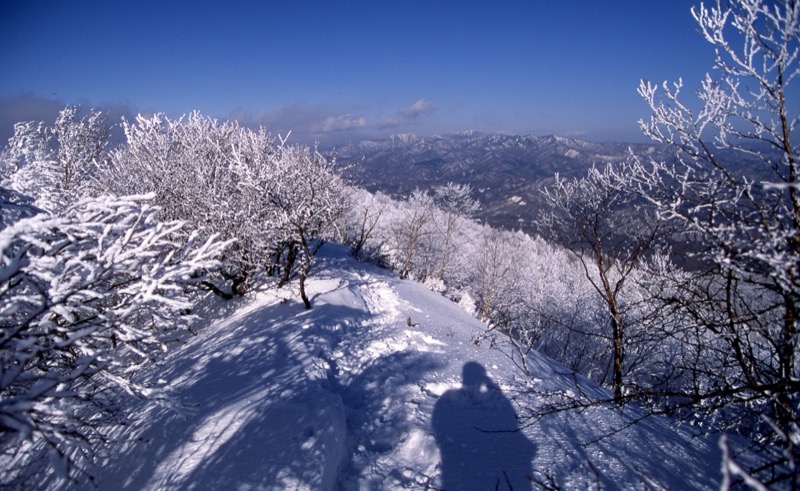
478, 435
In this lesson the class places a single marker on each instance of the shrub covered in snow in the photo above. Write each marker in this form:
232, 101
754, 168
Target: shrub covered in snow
87, 297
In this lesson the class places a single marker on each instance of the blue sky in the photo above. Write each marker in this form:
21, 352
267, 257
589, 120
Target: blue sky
335, 70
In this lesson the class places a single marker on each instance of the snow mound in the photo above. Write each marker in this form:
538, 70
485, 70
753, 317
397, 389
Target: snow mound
349, 396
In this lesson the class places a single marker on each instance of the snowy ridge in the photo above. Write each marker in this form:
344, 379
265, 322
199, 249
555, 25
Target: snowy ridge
346, 396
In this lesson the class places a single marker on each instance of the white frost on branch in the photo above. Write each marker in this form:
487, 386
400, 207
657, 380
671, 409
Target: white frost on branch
87, 297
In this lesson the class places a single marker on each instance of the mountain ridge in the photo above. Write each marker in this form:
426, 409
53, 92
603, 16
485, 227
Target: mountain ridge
506, 172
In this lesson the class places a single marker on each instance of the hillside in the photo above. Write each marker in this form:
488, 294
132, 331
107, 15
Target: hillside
348, 396
507, 172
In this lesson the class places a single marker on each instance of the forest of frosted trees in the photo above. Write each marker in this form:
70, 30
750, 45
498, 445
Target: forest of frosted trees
107, 248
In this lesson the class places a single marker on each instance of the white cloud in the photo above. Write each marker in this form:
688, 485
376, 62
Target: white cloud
339, 123
308, 123
414, 111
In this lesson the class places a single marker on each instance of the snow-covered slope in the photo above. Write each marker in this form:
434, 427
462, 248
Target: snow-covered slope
348, 396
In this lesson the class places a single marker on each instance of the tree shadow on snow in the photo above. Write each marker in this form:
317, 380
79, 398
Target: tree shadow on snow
241, 389
600, 448
265, 406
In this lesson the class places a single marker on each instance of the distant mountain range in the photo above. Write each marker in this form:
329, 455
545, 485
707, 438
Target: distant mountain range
507, 172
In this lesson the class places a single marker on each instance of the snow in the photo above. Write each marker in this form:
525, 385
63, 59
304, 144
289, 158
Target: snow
348, 396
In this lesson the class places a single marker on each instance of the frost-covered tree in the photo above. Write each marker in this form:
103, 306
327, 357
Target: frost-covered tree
499, 287
87, 297
598, 220
454, 202
239, 183
411, 230
735, 185
308, 199
497, 271
361, 219
206, 172
55, 164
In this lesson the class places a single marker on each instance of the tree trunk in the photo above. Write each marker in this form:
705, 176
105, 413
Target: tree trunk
617, 328
274, 263
445, 248
409, 255
616, 333
305, 269
786, 354
303, 295
291, 257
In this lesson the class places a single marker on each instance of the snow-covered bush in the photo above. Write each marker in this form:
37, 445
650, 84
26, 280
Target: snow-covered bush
212, 174
453, 206
307, 200
87, 297
14, 207
421, 236
55, 164
412, 239
359, 223
229, 180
